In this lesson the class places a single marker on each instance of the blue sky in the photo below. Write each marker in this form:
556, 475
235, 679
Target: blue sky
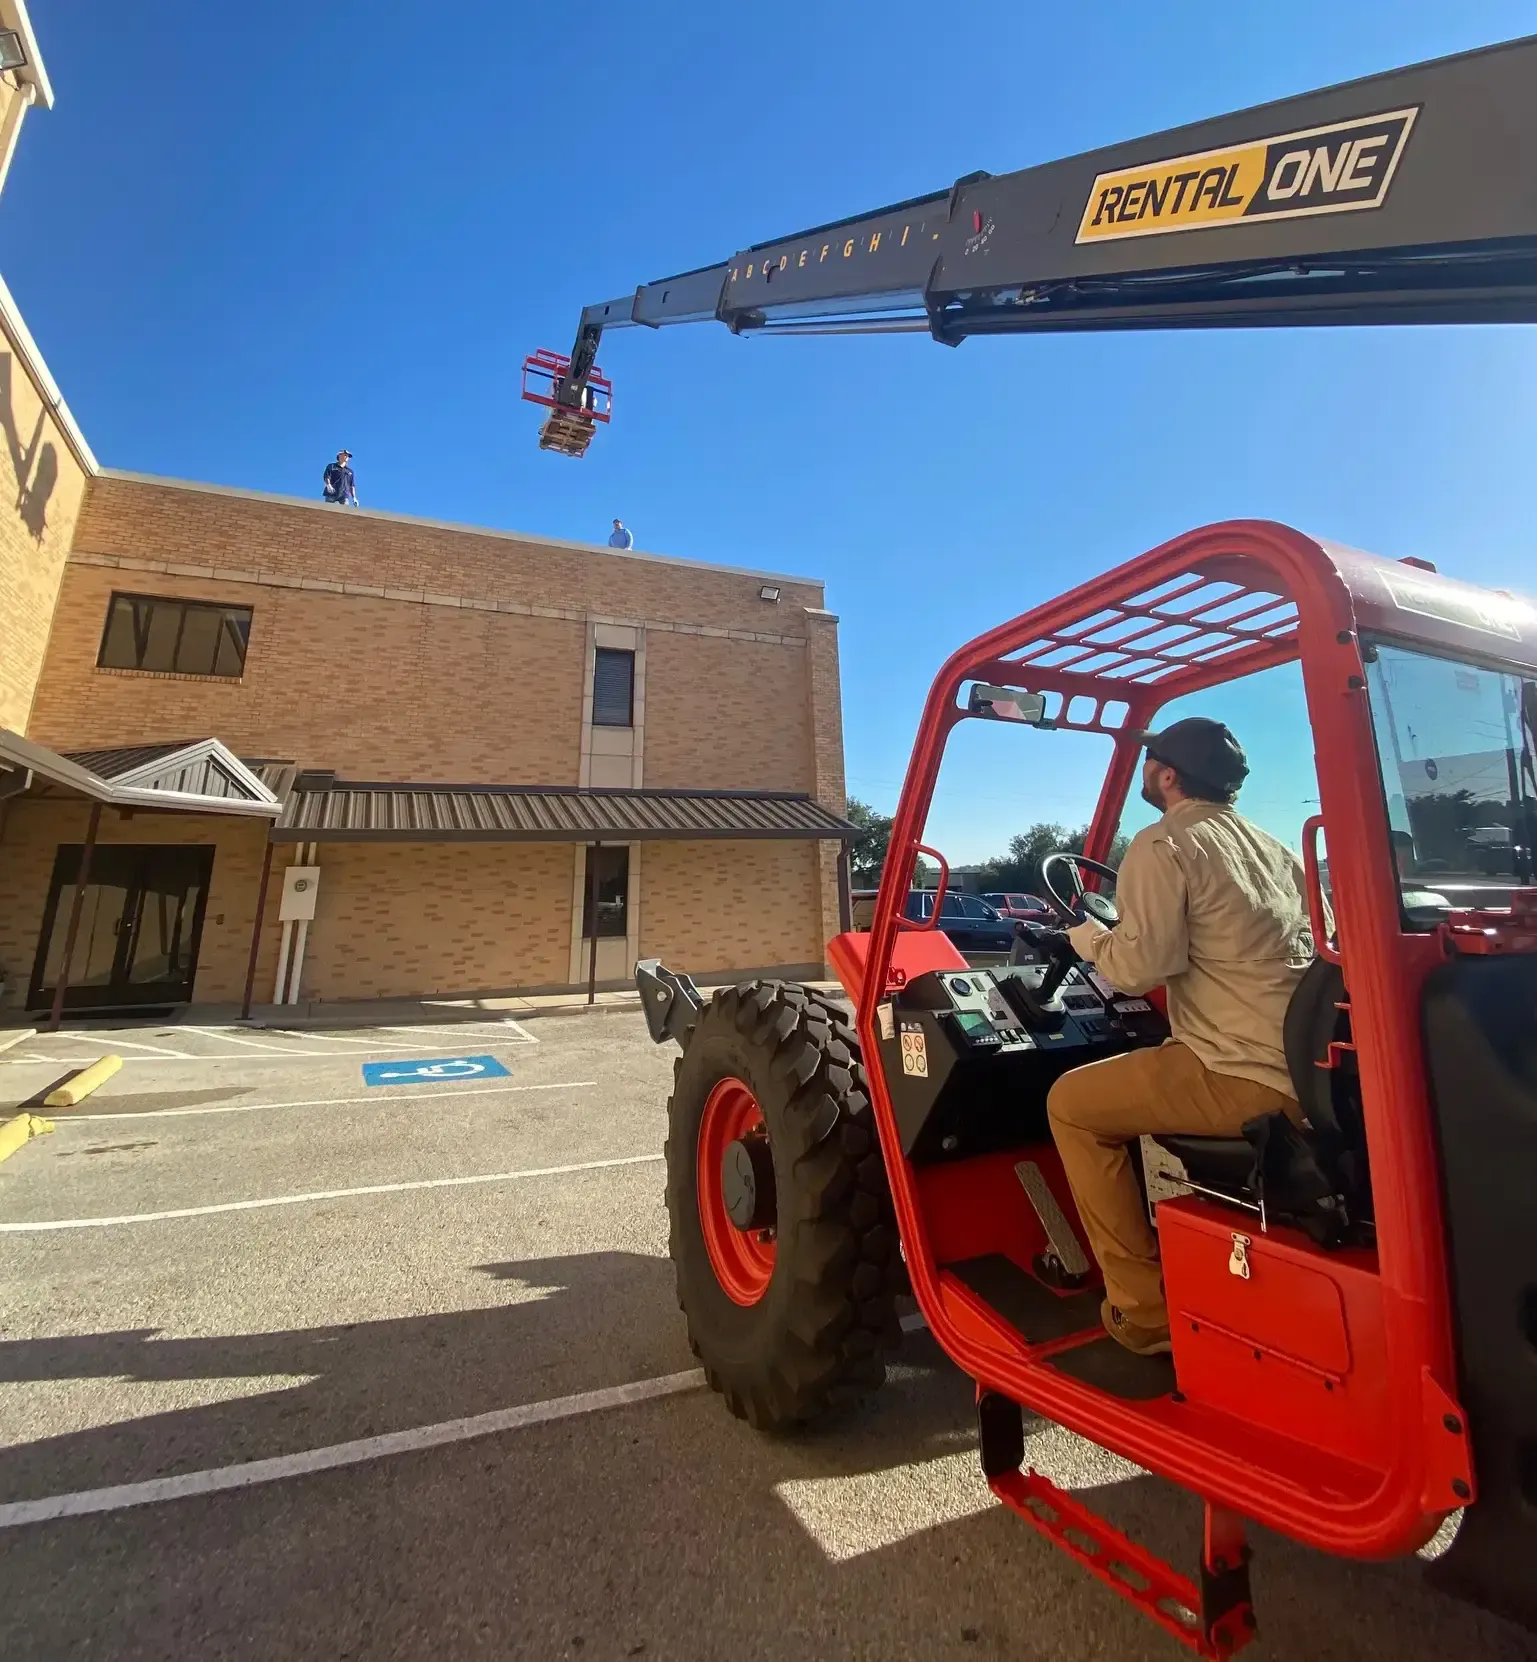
248, 236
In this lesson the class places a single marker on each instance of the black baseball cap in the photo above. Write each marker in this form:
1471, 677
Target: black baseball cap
1202, 750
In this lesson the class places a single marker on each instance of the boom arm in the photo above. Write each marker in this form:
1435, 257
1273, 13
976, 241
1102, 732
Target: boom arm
1408, 197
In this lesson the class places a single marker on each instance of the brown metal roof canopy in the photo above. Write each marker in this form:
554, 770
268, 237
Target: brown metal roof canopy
337, 812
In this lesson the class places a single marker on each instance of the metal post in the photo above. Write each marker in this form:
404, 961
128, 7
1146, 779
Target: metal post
56, 1015
592, 908
256, 931
845, 890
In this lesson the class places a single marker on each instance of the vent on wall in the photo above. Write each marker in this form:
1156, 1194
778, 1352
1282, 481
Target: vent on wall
314, 779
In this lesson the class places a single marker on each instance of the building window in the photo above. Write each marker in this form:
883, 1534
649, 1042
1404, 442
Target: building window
613, 890
613, 688
181, 637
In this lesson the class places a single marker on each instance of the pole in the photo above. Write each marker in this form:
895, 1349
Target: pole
592, 911
256, 932
845, 891
56, 1015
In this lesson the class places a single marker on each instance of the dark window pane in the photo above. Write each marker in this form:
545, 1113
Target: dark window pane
613, 688
174, 636
199, 640
234, 627
613, 891
119, 648
161, 637
952, 907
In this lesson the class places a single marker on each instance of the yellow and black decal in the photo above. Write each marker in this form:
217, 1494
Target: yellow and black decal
1325, 170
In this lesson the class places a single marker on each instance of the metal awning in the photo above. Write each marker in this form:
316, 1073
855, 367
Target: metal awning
189, 776
338, 812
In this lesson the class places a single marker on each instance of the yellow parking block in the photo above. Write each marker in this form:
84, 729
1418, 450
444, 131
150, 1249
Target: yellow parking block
77, 1089
15, 1132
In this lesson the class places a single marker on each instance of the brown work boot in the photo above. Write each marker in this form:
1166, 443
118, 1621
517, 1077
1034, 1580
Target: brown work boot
1139, 1340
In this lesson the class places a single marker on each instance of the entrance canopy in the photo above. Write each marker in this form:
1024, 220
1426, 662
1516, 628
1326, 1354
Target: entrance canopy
188, 776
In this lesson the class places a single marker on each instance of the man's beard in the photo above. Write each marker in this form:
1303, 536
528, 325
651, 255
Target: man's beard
1153, 797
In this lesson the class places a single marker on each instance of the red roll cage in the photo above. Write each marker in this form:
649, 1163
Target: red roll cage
1206, 608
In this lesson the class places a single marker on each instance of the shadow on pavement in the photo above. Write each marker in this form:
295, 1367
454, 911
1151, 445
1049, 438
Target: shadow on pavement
666, 1530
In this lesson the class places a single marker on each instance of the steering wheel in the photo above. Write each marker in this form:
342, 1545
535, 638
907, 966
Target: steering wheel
1073, 901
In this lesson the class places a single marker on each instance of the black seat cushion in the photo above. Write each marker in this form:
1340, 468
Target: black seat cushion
1223, 1163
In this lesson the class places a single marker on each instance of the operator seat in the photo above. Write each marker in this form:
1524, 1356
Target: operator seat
1316, 1178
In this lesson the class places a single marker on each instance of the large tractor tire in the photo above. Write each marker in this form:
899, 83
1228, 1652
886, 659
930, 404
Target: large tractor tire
782, 1232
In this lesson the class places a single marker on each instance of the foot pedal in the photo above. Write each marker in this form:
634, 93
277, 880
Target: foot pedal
1064, 1264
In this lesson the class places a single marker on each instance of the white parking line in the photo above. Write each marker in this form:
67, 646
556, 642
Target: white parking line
465, 1030
252, 1472
111, 1041
322, 1102
49, 1224
273, 1054
271, 1050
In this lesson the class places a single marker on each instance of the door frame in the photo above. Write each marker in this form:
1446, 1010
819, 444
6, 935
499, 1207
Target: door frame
119, 994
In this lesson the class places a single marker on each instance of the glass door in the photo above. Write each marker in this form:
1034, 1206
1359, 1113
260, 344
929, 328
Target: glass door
140, 923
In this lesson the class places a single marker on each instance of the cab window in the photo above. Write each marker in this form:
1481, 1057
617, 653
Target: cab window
1455, 750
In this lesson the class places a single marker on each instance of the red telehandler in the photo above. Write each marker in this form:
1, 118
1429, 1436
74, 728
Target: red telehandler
1353, 1310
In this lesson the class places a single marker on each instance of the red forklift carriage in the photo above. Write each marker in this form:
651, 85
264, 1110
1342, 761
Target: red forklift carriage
575, 409
1347, 1353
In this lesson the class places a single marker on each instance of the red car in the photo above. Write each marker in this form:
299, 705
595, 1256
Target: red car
1027, 908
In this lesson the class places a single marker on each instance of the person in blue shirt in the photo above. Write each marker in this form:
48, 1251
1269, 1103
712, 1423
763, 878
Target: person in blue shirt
337, 481
619, 537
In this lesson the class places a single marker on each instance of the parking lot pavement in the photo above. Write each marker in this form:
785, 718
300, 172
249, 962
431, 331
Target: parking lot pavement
225, 1295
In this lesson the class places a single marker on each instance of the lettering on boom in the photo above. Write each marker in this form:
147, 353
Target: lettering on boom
1325, 170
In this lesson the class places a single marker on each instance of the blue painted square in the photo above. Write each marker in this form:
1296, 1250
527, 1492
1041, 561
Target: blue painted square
433, 1070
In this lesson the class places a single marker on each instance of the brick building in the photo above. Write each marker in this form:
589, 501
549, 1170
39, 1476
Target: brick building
256, 745
457, 735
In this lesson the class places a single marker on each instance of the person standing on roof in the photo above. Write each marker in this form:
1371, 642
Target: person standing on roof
337, 481
620, 537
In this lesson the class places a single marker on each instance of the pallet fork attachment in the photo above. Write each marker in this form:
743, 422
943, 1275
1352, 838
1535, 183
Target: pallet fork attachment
1214, 1619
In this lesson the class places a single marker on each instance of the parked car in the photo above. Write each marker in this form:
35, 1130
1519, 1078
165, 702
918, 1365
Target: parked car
1028, 908
972, 925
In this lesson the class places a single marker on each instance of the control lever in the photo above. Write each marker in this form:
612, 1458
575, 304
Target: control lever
1033, 1004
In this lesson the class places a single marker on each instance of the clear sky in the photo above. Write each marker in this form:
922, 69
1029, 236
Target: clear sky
247, 236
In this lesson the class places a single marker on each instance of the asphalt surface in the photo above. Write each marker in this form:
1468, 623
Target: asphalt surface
146, 1348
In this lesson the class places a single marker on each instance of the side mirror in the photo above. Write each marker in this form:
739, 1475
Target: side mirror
1007, 704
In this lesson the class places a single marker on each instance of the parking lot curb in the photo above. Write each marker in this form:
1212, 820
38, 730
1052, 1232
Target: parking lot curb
75, 1090
7, 1040
17, 1131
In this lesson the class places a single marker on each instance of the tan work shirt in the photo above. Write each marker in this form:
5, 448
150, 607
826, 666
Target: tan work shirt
1215, 909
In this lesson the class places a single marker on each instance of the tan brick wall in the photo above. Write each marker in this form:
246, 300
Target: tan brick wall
712, 907
377, 689
315, 543
41, 485
32, 830
724, 715
449, 669
400, 919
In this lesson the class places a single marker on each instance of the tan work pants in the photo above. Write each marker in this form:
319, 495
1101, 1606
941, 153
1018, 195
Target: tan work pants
1096, 1110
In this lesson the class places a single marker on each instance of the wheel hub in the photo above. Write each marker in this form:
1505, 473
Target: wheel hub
747, 1182
734, 1185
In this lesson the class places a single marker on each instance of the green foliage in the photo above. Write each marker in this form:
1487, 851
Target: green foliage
1019, 869
868, 853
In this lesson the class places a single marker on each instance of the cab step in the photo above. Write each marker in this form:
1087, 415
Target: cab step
1214, 1619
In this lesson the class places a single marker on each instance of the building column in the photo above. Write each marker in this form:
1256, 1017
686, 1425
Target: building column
825, 708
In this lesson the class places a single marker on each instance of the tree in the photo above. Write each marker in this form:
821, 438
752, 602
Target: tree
867, 853
1020, 868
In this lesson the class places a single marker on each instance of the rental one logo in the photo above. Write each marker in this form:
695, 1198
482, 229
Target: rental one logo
1325, 170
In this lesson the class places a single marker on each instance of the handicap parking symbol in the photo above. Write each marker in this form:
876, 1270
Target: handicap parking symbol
433, 1070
